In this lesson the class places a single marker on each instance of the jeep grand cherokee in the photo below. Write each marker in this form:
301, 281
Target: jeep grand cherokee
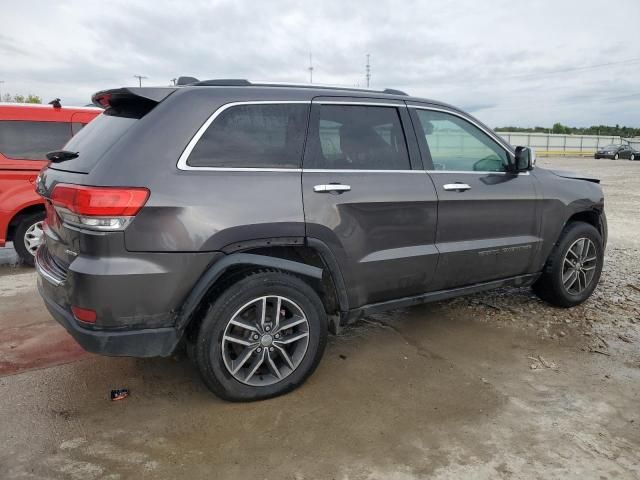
246, 220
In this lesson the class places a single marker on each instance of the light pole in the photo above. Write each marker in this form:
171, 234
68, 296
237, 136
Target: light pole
368, 69
1, 82
140, 77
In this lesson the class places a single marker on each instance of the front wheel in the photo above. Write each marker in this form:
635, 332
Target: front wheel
261, 338
28, 237
632, 157
616, 156
573, 269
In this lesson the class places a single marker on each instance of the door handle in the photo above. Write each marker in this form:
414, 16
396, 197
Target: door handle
456, 187
331, 187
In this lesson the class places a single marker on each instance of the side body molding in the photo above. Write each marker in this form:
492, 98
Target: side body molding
218, 268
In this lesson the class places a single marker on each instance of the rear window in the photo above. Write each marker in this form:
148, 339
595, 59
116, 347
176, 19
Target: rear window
253, 136
29, 140
93, 140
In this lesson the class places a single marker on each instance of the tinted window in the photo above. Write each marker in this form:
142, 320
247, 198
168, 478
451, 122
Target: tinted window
93, 141
76, 127
32, 140
456, 144
358, 137
258, 136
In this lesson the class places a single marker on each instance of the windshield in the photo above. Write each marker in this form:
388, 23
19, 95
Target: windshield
610, 147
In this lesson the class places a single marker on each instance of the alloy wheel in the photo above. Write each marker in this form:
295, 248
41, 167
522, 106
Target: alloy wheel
265, 340
579, 266
33, 237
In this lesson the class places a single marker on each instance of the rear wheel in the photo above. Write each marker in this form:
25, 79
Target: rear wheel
262, 337
573, 269
28, 237
632, 157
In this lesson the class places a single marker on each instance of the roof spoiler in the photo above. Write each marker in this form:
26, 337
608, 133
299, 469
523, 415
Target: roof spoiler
107, 98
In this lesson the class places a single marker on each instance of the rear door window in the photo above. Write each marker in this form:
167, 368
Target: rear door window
357, 137
30, 140
253, 136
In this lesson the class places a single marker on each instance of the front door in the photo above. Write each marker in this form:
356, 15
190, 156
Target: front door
367, 197
487, 220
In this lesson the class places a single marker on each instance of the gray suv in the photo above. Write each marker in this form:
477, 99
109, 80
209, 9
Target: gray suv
247, 220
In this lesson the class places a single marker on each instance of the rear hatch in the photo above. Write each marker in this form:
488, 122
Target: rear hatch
123, 108
83, 217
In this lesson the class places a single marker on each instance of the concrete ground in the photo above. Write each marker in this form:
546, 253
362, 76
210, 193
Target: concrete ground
498, 385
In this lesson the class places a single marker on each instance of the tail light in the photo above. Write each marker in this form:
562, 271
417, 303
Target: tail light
98, 208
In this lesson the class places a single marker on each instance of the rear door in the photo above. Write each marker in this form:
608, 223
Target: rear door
367, 197
488, 226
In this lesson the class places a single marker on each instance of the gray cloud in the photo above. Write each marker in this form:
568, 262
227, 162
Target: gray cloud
508, 62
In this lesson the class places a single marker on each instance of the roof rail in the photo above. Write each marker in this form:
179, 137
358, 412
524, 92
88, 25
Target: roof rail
241, 82
223, 82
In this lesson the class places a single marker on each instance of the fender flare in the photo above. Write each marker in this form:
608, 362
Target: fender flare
208, 279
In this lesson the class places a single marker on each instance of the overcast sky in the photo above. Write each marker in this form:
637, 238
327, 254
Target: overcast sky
508, 62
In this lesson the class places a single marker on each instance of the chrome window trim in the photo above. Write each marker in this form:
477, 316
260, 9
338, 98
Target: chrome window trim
476, 172
345, 170
184, 157
366, 104
243, 169
496, 138
304, 170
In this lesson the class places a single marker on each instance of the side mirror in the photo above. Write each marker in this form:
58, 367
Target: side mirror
524, 160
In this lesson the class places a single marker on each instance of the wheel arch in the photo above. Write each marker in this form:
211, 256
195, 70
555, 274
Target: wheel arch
25, 211
593, 217
313, 264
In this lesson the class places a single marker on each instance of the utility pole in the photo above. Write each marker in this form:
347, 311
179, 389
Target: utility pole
368, 69
140, 77
310, 69
173, 81
1, 82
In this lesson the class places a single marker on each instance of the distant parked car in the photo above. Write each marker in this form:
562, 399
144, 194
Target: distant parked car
618, 151
27, 133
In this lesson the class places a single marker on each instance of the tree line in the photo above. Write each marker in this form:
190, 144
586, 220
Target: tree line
7, 97
608, 130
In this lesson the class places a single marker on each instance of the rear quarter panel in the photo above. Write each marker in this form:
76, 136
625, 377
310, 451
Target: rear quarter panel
191, 211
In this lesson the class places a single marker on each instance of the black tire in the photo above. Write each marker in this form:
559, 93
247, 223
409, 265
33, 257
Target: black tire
208, 348
549, 286
616, 156
19, 237
632, 157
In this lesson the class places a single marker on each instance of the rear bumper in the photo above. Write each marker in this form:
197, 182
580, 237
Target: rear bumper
148, 342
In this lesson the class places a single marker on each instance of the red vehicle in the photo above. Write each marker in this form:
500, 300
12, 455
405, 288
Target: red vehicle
27, 133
